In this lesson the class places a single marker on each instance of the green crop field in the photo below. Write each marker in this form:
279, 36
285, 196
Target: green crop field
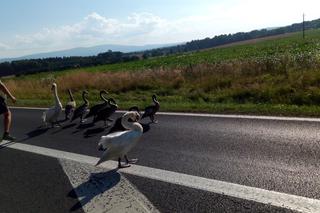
279, 76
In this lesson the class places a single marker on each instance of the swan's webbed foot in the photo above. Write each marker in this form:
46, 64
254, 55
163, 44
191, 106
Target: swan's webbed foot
121, 166
153, 119
131, 161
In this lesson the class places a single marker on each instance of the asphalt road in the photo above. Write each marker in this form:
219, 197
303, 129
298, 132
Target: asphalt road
275, 155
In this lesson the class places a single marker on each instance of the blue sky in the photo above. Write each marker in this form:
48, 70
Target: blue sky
33, 26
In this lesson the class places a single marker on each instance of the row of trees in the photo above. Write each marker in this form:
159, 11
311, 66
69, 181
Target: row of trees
29, 66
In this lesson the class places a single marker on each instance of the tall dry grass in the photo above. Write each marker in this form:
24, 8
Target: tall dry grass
286, 79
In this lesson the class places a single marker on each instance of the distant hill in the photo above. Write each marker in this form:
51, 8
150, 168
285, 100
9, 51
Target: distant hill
227, 39
88, 51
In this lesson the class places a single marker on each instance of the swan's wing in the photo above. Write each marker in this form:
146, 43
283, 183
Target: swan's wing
79, 111
112, 139
105, 113
95, 109
117, 126
48, 114
117, 144
71, 104
68, 109
148, 111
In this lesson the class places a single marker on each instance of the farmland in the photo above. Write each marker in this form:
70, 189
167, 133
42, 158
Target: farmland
278, 76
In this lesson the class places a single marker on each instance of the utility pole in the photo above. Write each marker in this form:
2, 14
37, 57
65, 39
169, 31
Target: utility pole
303, 26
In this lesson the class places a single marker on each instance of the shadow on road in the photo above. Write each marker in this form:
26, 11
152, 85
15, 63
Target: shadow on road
82, 127
64, 128
7, 144
97, 184
35, 133
92, 132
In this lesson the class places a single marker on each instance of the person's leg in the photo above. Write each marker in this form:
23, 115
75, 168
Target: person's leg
7, 121
7, 125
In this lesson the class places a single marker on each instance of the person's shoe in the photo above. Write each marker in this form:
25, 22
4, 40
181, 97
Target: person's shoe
8, 137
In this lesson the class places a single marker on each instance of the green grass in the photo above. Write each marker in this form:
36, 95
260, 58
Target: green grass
273, 77
292, 45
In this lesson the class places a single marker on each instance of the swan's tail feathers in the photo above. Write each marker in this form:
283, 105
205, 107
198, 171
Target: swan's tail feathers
99, 162
102, 159
44, 116
105, 156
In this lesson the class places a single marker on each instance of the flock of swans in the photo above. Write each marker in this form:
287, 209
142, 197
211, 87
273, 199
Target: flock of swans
124, 134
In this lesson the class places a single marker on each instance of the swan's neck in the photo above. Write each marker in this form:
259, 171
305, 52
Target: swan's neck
131, 126
71, 96
85, 99
155, 101
55, 93
102, 97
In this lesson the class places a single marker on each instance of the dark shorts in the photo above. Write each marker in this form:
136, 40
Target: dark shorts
3, 106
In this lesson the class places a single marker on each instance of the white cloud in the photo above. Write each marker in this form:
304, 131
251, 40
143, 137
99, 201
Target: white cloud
93, 30
3, 47
146, 28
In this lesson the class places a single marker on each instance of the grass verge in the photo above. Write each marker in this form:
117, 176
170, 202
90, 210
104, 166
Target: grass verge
274, 77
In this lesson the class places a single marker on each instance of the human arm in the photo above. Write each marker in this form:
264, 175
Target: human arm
5, 90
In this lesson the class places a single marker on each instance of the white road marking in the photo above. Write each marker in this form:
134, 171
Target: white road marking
278, 199
254, 117
101, 191
31, 108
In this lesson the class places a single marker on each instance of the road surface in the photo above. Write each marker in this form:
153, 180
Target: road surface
268, 159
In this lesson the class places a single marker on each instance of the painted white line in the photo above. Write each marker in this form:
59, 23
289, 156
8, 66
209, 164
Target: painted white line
278, 199
101, 191
254, 117
31, 108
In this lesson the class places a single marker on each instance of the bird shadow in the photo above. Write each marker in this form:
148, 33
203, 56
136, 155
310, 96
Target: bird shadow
64, 128
92, 132
62, 121
82, 127
35, 133
85, 125
97, 184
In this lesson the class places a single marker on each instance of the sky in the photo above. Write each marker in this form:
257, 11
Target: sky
35, 26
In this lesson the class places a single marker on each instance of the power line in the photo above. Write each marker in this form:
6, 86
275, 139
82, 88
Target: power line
303, 26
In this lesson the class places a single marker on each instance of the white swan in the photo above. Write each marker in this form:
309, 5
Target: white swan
51, 115
116, 145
